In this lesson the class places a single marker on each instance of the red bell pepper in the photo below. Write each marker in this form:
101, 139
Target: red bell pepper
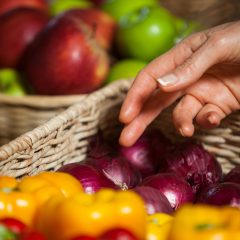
13, 229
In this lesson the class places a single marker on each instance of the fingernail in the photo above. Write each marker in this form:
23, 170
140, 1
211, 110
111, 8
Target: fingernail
181, 132
167, 80
211, 120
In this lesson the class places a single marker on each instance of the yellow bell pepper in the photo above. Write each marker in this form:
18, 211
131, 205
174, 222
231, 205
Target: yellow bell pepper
8, 182
158, 226
19, 205
92, 215
22, 199
202, 222
47, 184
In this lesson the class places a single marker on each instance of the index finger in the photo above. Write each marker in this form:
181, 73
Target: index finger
145, 82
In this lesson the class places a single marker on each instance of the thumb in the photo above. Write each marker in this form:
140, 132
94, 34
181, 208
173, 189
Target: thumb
191, 69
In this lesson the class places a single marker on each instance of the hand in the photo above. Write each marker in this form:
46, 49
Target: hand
202, 70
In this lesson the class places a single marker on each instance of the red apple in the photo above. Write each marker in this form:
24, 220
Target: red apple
117, 234
65, 59
7, 5
19, 27
102, 25
98, 2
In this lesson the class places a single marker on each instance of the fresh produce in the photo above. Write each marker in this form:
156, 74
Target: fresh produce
175, 188
158, 226
11, 229
65, 59
57, 7
148, 152
120, 8
23, 199
17, 204
233, 175
7, 5
202, 222
126, 68
47, 184
92, 215
13, 225
20, 27
117, 234
146, 33
185, 28
195, 164
227, 193
91, 179
98, 2
107, 163
155, 201
32, 235
84, 238
10, 83
102, 25
116, 169
111, 234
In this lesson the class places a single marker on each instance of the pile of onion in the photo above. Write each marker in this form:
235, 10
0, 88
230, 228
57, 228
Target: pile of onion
91, 179
164, 174
173, 187
195, 164
148, 152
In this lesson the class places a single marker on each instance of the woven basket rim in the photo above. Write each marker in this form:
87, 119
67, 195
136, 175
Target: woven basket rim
41, 101
26, 140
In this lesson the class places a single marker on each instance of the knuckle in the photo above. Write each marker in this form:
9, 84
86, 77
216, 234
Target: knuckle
188, 67
218, 41
191, 37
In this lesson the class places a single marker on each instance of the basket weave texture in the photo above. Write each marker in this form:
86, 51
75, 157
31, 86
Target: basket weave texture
19, 115
64, 138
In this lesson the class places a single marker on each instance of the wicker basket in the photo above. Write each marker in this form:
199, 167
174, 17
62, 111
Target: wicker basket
19, 115
64, 138
208, 12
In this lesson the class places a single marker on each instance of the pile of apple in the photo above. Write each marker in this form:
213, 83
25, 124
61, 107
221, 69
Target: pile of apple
60, 47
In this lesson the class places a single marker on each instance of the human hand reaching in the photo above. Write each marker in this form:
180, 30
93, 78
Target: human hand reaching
203, 71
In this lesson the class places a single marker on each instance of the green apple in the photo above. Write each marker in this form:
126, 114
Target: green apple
59, 6
119, 8
146, 33
10, 83
126, 68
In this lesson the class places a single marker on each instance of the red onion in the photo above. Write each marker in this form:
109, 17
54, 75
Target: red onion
147, 153
91, 179
233, 175
195, 164
175, 188
161, 145
118, 170
221, 194
154, 200
98, 146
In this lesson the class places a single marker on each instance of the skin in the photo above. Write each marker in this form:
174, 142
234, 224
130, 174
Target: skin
205, 68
